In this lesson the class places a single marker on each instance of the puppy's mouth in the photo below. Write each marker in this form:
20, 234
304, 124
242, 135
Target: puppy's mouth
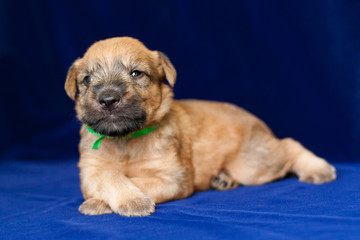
120, 122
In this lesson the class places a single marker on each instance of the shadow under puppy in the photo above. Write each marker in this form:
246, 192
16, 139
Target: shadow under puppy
140, 147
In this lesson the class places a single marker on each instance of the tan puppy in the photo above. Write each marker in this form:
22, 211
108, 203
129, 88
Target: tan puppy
197, 145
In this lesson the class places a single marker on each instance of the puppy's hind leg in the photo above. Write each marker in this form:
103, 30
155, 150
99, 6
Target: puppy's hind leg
265, 158
260, 160
223, 182
306, 165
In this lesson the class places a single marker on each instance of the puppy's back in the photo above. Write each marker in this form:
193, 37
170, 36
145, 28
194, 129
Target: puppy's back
225, 117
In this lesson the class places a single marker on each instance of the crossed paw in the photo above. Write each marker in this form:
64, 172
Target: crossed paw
140, 206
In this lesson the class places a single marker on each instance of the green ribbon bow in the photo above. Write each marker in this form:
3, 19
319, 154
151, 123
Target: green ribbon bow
139, 133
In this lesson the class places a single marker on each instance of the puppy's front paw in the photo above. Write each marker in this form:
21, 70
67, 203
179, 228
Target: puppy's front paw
93, 206
321, 172
140, 206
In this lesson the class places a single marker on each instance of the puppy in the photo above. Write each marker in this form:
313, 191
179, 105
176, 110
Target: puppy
140, 147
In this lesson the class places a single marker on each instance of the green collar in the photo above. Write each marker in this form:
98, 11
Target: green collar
139, 133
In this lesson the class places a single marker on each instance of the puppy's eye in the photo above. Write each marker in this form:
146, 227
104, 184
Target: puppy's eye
88, 79
136, 73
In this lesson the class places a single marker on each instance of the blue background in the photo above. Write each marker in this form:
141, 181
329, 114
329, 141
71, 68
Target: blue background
295, 64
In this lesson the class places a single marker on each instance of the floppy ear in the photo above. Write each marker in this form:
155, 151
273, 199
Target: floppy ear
167, 68
70, 83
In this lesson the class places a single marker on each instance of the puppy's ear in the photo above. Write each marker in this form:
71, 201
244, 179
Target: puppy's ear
166, 68
70, 83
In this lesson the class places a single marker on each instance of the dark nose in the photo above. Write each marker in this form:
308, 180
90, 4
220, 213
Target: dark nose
109, 102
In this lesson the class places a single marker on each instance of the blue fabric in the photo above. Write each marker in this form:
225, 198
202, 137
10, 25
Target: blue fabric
39, 200
295, 64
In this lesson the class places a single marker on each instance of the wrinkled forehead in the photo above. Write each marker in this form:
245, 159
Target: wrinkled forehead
119, 53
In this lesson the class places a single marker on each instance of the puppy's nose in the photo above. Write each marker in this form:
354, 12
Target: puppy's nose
109, 102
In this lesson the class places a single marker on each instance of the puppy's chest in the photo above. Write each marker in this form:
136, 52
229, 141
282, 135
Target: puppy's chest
136, 160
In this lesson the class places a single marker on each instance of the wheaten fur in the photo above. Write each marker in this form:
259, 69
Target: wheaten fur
195, 141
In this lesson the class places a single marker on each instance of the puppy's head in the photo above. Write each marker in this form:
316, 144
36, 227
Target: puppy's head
120, 86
